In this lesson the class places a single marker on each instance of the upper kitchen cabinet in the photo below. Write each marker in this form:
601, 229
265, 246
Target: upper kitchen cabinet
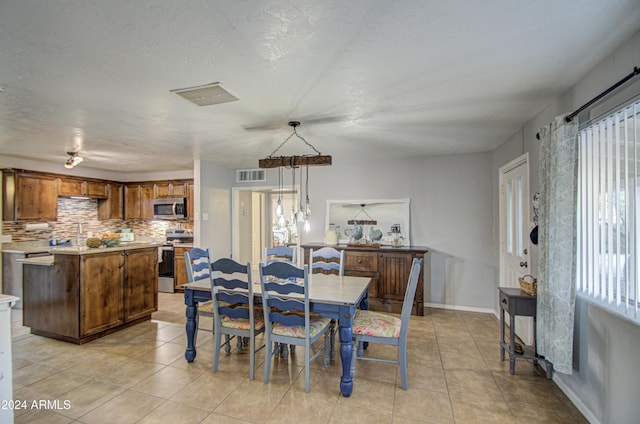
29, 196
165, 189
70, 187
112, 206
138, 201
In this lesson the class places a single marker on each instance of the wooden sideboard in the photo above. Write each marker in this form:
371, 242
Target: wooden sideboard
389, 269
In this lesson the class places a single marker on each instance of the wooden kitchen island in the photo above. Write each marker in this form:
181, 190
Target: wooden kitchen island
80, 294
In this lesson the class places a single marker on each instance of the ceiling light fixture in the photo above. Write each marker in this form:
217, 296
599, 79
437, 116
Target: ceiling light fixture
73, 160
301, 215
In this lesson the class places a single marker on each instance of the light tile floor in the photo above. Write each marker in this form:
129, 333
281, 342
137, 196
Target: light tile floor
139, 375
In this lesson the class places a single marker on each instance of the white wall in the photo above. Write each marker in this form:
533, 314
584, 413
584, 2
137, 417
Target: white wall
212, 220
606, 377
451, 214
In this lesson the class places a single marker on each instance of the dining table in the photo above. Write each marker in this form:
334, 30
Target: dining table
331, 296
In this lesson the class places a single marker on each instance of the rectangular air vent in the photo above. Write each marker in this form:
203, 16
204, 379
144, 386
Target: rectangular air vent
206, 95
250, 175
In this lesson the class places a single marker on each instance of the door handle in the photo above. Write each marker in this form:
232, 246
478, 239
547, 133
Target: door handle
524, 264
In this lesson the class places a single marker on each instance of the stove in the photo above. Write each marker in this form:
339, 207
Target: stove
174, 236
165, 268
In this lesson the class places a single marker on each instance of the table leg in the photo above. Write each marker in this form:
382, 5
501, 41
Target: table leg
512, 344
191, 312
346, 382
502, 334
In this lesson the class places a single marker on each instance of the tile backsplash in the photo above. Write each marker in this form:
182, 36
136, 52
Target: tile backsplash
72, 212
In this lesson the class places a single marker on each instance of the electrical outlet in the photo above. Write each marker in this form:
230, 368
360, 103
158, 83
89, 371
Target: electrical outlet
5, 238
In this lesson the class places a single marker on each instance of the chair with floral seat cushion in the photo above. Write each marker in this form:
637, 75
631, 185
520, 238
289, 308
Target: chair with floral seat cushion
198, 265
234, 312
377, 327
288, 318
328, 260
287, 254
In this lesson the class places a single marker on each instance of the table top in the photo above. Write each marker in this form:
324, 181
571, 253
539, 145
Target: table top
514, 292
323, 288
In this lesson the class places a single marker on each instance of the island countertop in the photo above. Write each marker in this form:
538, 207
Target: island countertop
84, 250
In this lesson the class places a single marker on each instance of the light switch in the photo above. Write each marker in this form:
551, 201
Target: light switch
205, 216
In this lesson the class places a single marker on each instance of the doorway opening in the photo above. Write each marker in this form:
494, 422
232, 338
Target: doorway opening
255, 224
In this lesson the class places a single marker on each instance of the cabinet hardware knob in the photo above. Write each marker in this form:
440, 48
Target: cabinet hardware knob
524, 264
504, 301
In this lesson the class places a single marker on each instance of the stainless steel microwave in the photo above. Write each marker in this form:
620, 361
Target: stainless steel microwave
170, 208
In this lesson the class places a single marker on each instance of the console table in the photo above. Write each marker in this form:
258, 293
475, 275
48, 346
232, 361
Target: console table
516, 302
388, 267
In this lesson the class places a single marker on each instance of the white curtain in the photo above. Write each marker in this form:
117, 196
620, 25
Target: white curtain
557, 243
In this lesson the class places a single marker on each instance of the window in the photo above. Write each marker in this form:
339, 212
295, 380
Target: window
608, 220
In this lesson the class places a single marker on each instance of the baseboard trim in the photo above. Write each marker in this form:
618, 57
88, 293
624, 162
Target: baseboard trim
584, 409
459, 308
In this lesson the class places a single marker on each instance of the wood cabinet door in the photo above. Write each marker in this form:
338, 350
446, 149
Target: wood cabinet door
70, 187
101, 279
394, 274
179, 190
36, 198
131, 202
140, 283
162, 190
112, 206
147, 196
179, 267
96, 189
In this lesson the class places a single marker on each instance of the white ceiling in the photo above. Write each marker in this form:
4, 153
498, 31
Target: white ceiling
367, 78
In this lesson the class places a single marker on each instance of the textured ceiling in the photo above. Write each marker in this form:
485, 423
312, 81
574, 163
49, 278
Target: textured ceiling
367, 78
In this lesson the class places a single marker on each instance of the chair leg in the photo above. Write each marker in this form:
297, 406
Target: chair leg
284, 351
354, 348
327, 353
227, 344
252, 355
332, 329
402, 356
267, 360
216, 350
307, 365
239, 343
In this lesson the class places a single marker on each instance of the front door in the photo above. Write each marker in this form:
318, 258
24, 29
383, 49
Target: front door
514, 232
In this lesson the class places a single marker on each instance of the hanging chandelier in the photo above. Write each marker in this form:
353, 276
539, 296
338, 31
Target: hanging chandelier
299, 213
273, 161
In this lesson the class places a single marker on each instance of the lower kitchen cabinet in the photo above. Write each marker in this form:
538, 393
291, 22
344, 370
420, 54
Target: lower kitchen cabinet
140, 284
80, 297
389, 269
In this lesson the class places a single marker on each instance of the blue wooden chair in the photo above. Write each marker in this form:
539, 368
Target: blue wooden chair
198, 264
287, 254
234, 313
376, 327
327, 260
288, 319
280, 253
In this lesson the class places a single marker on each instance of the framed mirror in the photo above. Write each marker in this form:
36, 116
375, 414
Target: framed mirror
391, 217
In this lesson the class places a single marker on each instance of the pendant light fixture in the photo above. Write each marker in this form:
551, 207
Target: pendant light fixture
299, 212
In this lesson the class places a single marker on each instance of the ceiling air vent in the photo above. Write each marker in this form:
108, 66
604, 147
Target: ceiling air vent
206, 95
250, 175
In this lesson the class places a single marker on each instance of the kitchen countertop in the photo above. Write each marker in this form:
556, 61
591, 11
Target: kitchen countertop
40, 260
83, 250
25, 247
